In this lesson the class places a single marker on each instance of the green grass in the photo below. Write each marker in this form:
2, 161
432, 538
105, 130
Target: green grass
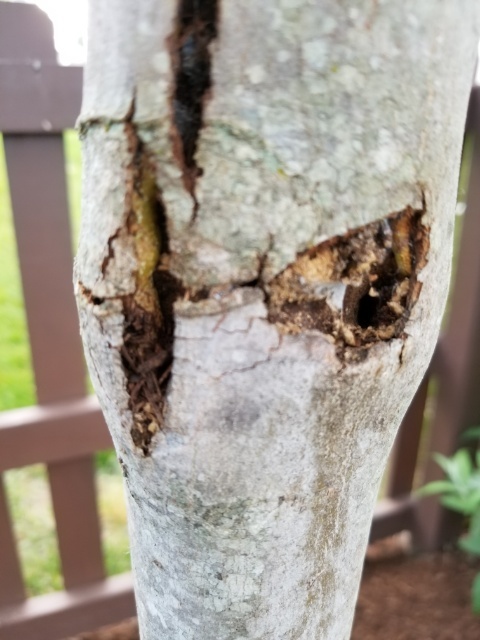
17, 388
113, 518
32, 515
74, 174
27, 488
34, 525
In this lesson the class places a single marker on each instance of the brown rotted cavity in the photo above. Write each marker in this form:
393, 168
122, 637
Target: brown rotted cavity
147, 351
359, 287
147, 357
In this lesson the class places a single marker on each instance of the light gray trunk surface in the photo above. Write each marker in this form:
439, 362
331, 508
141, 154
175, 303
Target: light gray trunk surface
260, 296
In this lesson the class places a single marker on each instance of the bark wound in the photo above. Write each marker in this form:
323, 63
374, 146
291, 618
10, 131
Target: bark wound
147, 350
195, 30
358, 288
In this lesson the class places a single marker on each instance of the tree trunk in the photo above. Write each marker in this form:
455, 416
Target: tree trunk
268, 204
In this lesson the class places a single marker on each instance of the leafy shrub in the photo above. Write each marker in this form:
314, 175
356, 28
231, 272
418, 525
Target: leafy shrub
460, 492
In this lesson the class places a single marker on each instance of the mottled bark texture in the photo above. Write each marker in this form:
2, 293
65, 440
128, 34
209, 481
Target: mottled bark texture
268, 203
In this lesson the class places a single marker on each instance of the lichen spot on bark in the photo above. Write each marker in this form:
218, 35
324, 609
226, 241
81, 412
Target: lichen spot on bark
358, 288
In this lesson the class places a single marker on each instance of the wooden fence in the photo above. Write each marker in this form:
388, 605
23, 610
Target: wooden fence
38, 101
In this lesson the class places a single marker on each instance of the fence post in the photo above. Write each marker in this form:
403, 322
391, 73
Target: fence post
11, 584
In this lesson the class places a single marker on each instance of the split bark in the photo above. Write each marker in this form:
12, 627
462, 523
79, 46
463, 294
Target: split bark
265, 250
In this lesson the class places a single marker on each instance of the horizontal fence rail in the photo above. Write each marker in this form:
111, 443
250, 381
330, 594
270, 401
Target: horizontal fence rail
52, 433
59, 615
39, 100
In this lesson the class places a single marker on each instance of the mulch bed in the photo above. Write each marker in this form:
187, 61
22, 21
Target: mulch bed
419, 598
415, 598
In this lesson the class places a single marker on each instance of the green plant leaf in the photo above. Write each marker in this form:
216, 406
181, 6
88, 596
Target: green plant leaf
475, 524
442, 461
476, 594
438, 486
473, 433
456, 503
458, 468
471, 502
463, 465
470, 544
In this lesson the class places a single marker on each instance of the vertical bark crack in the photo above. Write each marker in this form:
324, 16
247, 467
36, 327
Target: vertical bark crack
195, 29
147, 351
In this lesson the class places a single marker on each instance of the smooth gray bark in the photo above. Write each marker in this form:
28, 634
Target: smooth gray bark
329, 127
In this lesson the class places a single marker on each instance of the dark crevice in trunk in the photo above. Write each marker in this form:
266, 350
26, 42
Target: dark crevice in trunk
373, 268
147, 351
195, 29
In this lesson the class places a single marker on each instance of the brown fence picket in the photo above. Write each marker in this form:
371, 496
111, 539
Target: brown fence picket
57, 616
36, 171
32, 435
76, 516
11, 582
40, 100
36, 175
405, 451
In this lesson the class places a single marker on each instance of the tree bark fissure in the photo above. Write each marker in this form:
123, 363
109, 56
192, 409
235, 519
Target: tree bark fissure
196, 28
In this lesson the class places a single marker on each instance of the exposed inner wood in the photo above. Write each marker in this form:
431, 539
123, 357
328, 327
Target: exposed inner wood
147, 351
359, 287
